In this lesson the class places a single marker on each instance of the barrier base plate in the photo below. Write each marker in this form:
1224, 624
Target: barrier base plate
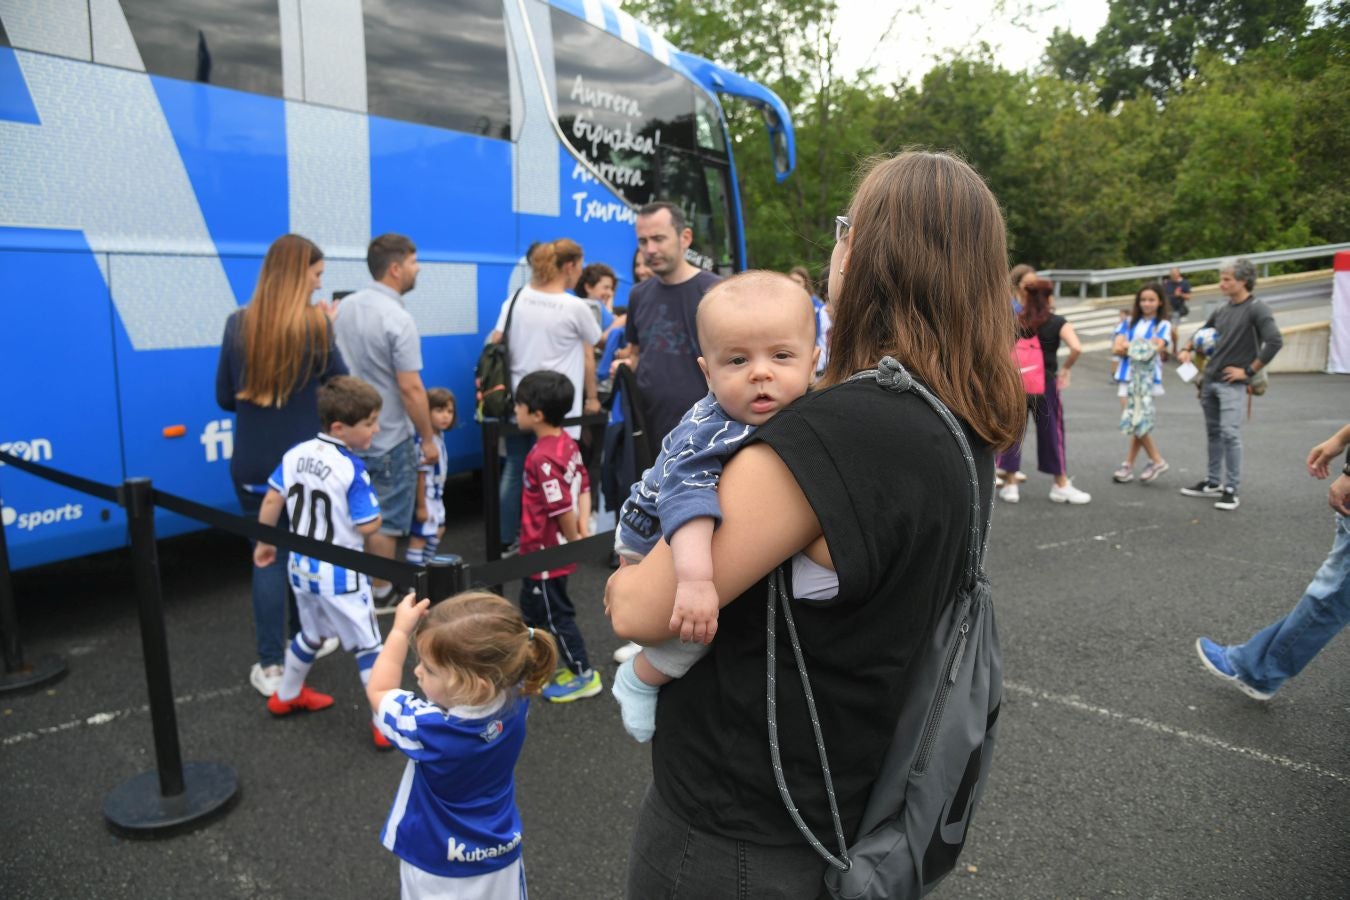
48, 668
137, 806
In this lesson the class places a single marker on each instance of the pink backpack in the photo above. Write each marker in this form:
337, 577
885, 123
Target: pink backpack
1031, 363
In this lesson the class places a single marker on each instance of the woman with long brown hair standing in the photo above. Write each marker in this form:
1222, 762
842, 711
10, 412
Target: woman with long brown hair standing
1038, 320
276, 352
919, 275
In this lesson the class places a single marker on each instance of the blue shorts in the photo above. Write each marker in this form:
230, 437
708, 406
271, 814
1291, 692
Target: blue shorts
394, 477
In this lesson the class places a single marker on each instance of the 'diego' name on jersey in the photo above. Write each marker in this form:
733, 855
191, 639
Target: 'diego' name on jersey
315, 467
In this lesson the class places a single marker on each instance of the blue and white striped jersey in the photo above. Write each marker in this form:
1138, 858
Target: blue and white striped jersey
434, 474
328, 494
1144, 328
455, 811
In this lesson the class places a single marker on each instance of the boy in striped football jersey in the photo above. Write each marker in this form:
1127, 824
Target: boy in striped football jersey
324, 487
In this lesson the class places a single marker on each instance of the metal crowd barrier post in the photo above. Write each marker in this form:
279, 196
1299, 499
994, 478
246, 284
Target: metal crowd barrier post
177, 793
446, 576
18, 675
492, 476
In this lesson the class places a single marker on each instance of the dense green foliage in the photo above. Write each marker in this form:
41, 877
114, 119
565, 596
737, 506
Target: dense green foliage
1185, 128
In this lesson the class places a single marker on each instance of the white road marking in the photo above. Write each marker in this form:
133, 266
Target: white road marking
1096, 537
104, 718
1073, 702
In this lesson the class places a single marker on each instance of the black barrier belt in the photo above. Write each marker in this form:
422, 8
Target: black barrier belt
74, 482
508, 428
513, 568
375, 566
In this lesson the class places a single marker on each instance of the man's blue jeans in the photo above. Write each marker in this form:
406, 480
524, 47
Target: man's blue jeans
272, 597
513, 481
1281, 650
1223, 404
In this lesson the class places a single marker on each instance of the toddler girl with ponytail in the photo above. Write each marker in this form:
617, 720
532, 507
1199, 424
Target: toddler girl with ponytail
454, 821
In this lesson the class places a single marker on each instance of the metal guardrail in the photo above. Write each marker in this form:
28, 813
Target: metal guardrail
1104, 277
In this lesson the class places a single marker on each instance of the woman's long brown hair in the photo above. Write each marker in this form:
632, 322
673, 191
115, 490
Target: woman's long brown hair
926, 282
285, 337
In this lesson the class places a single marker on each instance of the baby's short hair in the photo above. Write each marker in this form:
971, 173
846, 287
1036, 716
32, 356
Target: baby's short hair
347, 399
760, 280
547, 392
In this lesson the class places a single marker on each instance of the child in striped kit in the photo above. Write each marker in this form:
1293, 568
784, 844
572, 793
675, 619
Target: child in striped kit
1140, 341
323, 486
429, 515
454, 822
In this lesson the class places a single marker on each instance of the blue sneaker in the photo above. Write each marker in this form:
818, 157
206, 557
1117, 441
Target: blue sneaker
1215, 658
567, 686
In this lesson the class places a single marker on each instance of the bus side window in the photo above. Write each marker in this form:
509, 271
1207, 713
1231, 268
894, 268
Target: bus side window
439, 62
235, 44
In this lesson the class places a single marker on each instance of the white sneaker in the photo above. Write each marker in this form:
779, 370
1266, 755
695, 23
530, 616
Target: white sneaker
328, 647
627, 652
1009, 493
265, 681
1069, 494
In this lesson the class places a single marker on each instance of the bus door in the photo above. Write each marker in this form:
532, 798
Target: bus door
60, 404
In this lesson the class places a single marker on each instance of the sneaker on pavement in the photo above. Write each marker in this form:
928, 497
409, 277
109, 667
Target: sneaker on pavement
1009, 493
1215, 659
381, 742
567, 686
1153, 470
627, 652
1227, 500
1124, 474
329, 645
305, 701
265, 679
1069, 494
1202, 489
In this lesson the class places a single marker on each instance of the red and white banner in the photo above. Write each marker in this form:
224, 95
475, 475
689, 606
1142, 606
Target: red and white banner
1338, 354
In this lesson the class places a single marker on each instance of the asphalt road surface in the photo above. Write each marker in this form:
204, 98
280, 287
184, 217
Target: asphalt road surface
1123, 769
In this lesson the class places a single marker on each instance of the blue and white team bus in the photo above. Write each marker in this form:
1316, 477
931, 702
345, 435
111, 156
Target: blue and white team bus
151, 150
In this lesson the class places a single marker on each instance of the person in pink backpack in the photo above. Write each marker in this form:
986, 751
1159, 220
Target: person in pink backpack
1040, 328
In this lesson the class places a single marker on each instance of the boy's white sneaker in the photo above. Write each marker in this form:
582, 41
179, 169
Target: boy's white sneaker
1009, 493
265, 680
1069, 494
627, 652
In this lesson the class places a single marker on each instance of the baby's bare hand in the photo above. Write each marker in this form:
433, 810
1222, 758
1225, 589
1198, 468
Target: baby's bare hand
695, 614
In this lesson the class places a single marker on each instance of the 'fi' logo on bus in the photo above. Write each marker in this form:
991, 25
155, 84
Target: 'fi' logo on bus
218, 439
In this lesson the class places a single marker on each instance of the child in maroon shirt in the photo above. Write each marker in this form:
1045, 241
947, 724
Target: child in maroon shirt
555, 508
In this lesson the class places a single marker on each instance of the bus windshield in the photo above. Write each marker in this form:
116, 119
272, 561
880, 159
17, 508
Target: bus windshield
647, 130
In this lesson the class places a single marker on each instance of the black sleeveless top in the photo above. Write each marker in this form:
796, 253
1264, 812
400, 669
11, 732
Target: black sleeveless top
889, 485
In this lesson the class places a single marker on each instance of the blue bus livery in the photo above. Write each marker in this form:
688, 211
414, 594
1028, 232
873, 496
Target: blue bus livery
150, 150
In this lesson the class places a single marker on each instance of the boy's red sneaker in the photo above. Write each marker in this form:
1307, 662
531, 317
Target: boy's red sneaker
381, 742
307, 701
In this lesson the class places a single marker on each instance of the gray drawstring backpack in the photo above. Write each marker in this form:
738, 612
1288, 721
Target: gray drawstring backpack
917, 817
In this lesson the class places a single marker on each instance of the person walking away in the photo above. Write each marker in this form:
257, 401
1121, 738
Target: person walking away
1177, 293
275, 354
1141, 341
1278, 652
322, 486
551, 328
454, 824
379, 340
662, 335
1248, 340
1050, 329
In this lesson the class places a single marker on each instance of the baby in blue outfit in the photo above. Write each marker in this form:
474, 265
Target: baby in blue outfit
757, 331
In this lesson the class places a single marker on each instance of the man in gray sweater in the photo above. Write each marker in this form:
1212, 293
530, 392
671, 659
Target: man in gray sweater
1248, 340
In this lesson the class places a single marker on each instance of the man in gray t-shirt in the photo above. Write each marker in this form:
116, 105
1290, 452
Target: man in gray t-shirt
1248, 340
379, 341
